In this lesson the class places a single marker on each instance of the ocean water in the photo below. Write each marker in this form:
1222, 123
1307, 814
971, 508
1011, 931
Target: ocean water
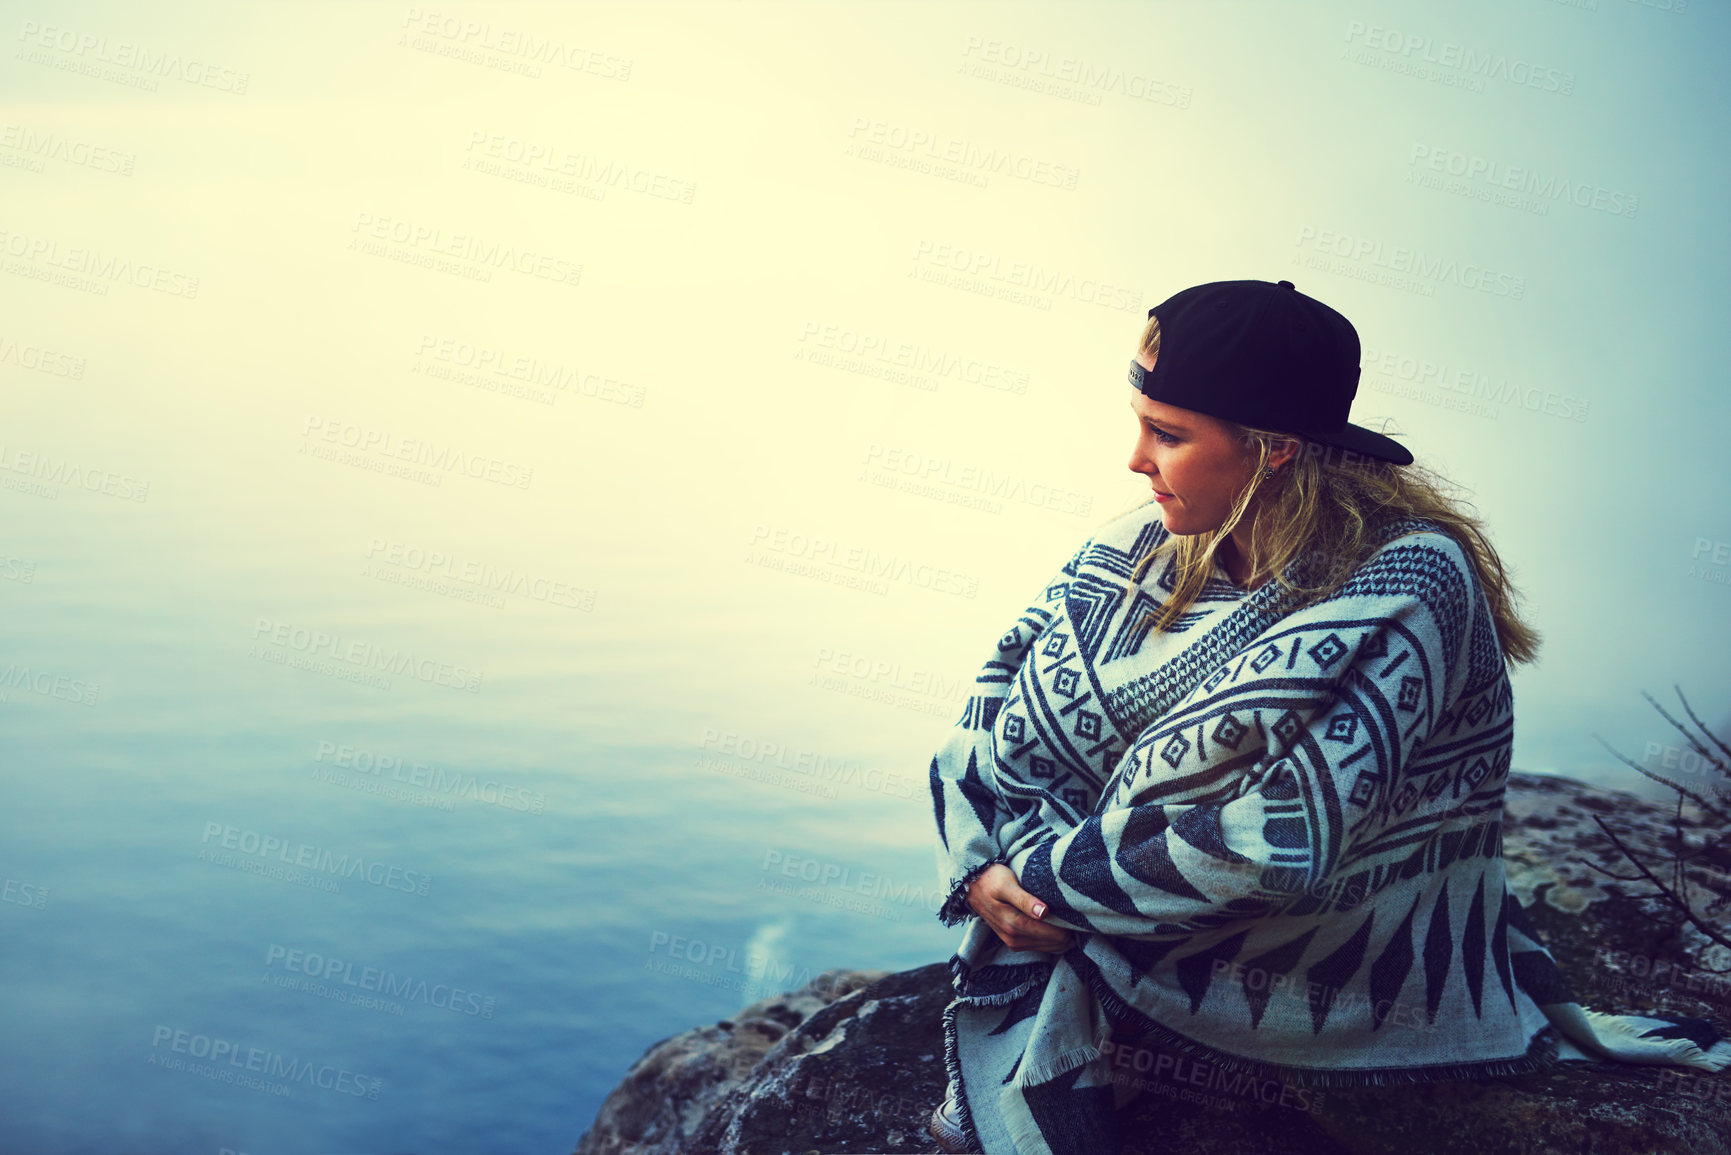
257, 907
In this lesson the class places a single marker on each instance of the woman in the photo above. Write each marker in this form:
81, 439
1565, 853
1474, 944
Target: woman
1233, 783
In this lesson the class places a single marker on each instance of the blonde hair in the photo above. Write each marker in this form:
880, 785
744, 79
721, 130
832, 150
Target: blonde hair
1335, 512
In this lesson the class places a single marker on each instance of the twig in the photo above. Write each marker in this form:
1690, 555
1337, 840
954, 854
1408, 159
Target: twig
1613, 874
1681, 904
1677, 786
1714, 737
1694, 742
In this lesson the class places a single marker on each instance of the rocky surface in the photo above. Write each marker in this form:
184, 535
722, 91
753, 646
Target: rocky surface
854, 1061
666, 1094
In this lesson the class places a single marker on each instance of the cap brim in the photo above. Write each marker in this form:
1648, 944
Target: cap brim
1358, 439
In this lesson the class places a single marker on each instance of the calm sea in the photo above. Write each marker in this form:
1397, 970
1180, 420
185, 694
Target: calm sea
262, 896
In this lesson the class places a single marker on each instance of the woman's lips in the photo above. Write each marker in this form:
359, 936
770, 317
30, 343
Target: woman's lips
1158, 496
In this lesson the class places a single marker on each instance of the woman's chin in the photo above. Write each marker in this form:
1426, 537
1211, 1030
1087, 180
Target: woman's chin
1179, 526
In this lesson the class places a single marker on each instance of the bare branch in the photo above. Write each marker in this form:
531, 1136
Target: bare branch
1682, 904
1712, 736
1694, 742
1613, 874
1721, 815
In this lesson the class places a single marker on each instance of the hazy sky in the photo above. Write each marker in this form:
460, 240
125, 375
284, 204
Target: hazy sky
764, 259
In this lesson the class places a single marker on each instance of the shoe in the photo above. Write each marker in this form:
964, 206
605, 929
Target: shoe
947, 1126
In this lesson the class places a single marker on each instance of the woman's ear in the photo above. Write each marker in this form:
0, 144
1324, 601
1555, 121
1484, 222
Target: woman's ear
1283, 451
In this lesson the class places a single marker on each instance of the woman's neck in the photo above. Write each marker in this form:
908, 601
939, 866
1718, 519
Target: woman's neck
1231, 560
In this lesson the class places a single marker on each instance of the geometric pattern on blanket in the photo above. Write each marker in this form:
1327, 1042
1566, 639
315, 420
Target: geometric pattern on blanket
1276, 832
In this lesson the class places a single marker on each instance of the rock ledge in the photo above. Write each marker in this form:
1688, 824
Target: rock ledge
853, 1062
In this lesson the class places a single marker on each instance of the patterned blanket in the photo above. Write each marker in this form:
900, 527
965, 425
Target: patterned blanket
1275, 830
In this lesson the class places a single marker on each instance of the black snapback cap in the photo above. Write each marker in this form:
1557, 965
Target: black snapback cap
1262, 353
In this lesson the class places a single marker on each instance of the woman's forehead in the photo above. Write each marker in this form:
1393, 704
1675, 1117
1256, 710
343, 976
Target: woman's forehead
1170, 415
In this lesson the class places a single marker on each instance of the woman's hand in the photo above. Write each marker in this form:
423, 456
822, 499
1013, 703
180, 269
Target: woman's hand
1014, 914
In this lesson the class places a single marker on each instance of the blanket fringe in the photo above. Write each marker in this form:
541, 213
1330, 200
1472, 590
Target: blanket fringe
1025, 977
1057, 1065
1019, 1121
955, 909
1619, 1037
953, 1069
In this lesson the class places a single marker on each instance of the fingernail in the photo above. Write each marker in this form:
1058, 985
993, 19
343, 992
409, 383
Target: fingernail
1039, 910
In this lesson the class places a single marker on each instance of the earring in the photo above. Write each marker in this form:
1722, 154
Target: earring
1267, 473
